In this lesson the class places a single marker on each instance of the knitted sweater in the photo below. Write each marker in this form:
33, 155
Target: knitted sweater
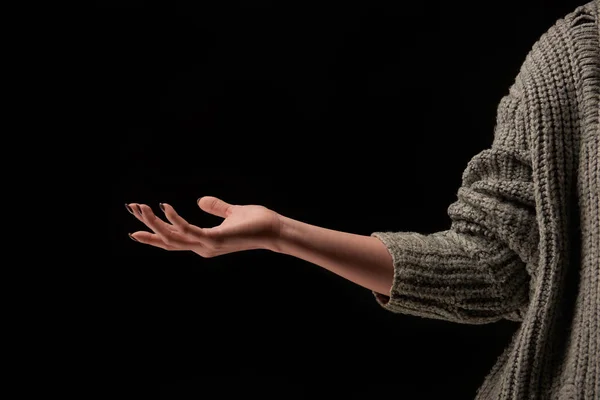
524, 240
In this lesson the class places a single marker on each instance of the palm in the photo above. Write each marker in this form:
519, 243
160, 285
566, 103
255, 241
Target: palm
248, 223
243, 228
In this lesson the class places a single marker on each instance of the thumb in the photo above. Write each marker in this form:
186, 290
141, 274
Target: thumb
214, 206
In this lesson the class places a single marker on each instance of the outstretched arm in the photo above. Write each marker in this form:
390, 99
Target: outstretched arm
476, 272
363, 260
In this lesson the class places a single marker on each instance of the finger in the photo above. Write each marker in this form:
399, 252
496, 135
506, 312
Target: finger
161, 228
152, 239
184, 227
215, 206
129, 209
134, 209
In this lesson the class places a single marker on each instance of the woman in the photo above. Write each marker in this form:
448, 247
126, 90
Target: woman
524, 243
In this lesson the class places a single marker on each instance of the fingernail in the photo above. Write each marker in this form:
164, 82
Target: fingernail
132, 238
128, 208
198, 201
161, 207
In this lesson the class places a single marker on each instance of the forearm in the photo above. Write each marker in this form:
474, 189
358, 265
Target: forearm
363, 260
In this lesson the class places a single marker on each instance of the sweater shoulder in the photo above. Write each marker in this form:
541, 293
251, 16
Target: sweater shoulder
566, 47
561, 71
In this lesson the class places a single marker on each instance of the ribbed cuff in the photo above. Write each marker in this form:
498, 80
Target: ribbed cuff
438, 276
403, 245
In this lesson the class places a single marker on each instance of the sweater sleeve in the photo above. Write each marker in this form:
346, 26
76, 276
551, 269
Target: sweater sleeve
478, 271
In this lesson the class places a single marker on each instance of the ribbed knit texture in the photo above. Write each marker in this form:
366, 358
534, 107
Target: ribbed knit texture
524, 241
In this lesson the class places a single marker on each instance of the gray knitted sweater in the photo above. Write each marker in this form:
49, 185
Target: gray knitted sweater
524, 241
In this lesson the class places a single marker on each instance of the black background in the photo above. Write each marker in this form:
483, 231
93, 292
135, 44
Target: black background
356, 116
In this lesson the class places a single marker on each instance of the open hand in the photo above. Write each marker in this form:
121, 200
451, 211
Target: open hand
244, 228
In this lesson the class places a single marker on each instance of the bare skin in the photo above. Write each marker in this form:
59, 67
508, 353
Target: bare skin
361, 259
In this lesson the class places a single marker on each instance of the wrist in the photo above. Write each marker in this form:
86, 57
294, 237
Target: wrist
282, 234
